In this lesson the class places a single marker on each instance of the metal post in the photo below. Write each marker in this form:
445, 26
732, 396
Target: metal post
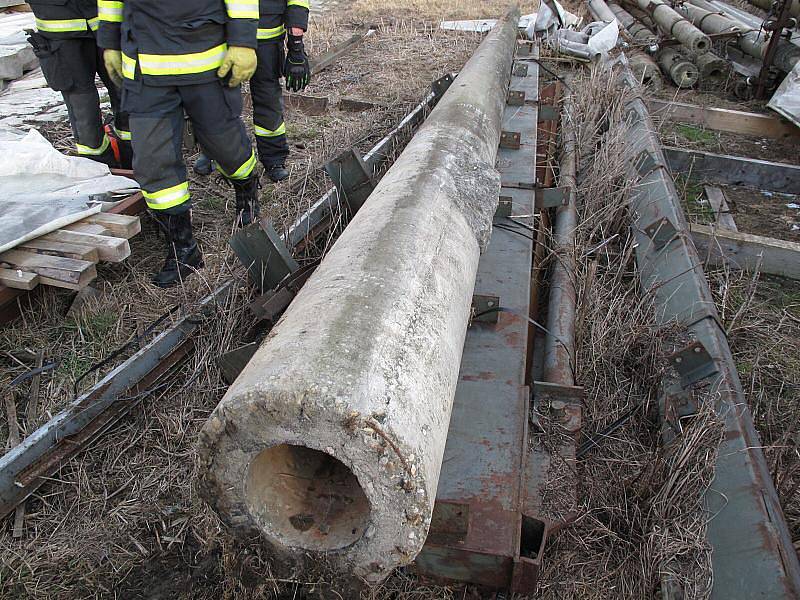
559, 352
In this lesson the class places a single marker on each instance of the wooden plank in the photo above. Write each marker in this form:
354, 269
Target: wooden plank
132, 205
19, 280
119, 225
68, 273
734, 170
110, 249
723, 119
91, 228
747, 252
719, 204
57, 248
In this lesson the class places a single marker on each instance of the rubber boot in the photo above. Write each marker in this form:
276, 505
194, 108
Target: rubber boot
247, 209
203, 165
183, 254
276, 172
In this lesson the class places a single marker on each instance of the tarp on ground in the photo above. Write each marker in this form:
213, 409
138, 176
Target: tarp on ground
786, 99
42, 190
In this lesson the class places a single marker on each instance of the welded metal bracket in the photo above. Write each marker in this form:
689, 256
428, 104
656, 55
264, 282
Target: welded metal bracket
679, 403
662, 232
262, 251
520, 69
441, 85
693, 363
352, 177
510, 140
482, 303
504, 207
515, 98
645, 162
232, 363
449, 522
548, 112
270, 305
553, 197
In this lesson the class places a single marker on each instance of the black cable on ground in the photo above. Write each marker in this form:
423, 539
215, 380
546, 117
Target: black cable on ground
135, 341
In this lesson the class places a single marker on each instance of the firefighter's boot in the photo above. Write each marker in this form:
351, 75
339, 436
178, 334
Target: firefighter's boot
183, 253
247, 209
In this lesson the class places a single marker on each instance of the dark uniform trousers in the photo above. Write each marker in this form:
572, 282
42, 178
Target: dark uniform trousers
265, 88
157, 121
69, 66
275, 18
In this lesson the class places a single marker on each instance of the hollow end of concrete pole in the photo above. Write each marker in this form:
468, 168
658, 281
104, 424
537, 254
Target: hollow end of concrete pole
306, 498
685, 74
313, 479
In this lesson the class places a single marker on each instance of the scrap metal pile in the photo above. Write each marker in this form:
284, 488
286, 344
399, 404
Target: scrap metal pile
709, 42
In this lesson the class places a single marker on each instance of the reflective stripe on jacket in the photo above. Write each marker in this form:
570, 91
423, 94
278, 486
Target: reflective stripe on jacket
277, 16
63, 19
174, 42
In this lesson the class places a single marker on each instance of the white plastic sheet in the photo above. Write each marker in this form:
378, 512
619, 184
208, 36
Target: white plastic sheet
786, 99
482, 25
42, 190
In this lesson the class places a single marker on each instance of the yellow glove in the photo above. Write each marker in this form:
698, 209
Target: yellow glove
243, 61
113, 61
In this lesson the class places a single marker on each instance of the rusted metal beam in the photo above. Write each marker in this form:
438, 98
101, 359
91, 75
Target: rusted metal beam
752, 551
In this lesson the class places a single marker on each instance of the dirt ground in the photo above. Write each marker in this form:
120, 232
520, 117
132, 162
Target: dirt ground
123, 519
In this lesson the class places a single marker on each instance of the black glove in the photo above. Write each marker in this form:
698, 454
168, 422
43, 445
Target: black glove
296, 68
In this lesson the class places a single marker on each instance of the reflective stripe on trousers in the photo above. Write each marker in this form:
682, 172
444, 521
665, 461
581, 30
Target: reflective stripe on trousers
89, 151
264, 132
167, 198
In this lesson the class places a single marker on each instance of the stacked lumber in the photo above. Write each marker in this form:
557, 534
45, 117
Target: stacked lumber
67, 257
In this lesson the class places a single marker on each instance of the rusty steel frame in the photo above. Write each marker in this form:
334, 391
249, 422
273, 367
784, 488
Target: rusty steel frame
484, 529
782, 19
752, 551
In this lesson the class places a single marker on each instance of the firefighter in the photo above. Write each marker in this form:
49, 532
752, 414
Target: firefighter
179, 56
280, 20
67, 49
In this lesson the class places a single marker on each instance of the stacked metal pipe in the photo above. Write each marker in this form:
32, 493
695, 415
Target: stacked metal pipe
751, 42
676, 25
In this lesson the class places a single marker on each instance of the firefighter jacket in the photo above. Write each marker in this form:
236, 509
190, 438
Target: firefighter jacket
175, 42
279, 15
65, 19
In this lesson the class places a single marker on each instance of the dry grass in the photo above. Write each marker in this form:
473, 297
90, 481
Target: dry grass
641, 520
437, 10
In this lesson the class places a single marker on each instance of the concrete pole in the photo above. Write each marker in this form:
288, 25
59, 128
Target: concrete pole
681, 70
794, 6
638, 30
330, 442
713, 69
751, 42
645, 70
674, 24
600, 10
